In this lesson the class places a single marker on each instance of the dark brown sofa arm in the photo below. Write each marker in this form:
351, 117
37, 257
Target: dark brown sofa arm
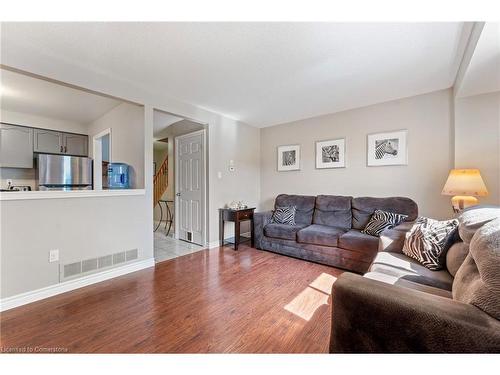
392, 240
369, 316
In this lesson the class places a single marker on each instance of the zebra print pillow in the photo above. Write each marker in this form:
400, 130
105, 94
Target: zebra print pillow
284, 215
429, 240
381, 220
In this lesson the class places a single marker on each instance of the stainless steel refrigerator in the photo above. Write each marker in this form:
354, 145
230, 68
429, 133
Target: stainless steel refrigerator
61, 172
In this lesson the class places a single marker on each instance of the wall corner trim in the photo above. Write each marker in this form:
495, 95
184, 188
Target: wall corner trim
53, 290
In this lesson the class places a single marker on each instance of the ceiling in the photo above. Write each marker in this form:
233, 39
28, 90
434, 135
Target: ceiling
483, 73
161, 121
259, 73
22, 93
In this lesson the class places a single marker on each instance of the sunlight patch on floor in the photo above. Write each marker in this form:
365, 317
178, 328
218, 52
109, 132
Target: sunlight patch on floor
305, 304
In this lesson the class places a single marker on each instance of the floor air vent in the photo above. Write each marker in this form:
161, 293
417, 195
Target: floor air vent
93, 265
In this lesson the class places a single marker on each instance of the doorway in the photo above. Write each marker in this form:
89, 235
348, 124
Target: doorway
180, 221
190, 176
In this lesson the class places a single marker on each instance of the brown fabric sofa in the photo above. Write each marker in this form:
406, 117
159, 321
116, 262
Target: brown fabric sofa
328, 228
401, 306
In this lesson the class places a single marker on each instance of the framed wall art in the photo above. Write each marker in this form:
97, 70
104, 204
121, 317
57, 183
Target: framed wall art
330, 154
388, 148
288, 158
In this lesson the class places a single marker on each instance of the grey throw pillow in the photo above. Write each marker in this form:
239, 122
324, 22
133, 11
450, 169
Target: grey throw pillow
284, 215
429, 240
381, 220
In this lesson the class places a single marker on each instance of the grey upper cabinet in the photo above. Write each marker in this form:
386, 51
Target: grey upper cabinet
16, 146
48, 141
75, 144
54, 142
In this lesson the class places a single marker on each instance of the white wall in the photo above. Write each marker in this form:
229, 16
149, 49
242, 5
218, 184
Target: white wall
126, 122
477, 139
81, 228
429, 123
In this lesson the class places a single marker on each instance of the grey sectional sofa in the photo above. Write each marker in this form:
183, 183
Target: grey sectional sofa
401, 306
328, 229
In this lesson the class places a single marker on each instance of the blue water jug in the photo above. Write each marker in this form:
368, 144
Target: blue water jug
118, 176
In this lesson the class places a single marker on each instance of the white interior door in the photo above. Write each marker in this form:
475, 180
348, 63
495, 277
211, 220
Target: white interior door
190, 187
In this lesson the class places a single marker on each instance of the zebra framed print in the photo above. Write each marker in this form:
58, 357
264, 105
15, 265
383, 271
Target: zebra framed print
330, 154
288, 158
387, 148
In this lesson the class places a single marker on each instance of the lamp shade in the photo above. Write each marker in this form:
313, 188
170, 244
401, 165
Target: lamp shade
465, 182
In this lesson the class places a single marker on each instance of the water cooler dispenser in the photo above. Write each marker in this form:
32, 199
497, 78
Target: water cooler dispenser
118, 176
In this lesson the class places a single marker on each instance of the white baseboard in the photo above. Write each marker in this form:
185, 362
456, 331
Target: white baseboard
66, 286
213, 244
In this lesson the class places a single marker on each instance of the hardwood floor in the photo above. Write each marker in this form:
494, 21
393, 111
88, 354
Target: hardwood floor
216, 300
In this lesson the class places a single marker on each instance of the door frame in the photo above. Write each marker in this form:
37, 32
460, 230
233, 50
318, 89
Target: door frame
204, 146
97, 154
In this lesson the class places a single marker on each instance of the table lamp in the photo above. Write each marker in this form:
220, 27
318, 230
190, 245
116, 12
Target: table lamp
465, 185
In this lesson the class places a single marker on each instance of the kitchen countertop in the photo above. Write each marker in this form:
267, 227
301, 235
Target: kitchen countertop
57, 194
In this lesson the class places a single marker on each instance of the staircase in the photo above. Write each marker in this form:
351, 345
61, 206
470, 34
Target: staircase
160, 182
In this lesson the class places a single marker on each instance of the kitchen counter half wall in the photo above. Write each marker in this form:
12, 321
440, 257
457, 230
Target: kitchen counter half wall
23, 195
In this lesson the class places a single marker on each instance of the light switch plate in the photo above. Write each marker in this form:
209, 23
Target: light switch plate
53, 255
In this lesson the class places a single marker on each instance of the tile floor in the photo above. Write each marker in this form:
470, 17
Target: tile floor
168, 247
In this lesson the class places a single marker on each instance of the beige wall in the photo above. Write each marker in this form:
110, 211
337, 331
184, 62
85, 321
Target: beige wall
126, 122
477, 139
240, 143
430, 153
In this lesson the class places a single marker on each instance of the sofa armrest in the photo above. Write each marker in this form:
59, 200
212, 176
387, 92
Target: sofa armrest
372, 316
260, 220
392, 240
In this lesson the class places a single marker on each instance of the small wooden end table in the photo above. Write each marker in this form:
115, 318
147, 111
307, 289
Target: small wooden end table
236, 216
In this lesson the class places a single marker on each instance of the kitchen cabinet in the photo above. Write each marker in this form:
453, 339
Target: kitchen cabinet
16, 146
48, 141
54, 142
75, 144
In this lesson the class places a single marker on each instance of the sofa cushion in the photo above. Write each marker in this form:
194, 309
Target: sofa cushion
333, 210
364, 207
429, 240
477, 281
303, 203
474, 218
320, 235
395, 280
403, 267
283, 231
455, 256
357, 241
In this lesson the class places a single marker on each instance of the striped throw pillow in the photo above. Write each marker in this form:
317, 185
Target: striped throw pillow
429, 240
284, 215
381, 220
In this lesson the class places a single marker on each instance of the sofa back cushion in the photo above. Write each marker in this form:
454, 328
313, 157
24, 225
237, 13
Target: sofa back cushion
304, 204
364, 207
473, 218
477, 281
333, 210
